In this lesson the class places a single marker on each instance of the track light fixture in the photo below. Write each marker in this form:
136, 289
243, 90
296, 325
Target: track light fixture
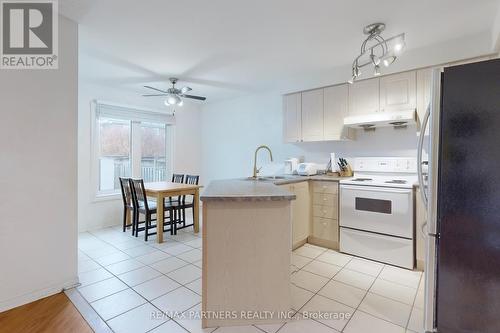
376, 50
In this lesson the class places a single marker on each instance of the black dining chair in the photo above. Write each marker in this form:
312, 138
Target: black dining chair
186, 202
172, 202
148, 208
128, 206
177, 178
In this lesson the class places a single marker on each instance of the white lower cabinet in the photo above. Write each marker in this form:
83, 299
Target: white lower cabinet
325, 214
324, 199
301, 212
325, 229
315, 213
325, 187
324, 211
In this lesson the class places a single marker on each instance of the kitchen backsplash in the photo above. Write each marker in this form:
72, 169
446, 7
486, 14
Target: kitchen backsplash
382, 142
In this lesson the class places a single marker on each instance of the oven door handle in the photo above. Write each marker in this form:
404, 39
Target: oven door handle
375, 189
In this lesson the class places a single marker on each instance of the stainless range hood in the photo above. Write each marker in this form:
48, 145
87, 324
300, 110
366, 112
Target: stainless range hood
396, 119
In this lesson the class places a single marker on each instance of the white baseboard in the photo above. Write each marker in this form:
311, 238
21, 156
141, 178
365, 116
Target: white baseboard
88, 228
36, 295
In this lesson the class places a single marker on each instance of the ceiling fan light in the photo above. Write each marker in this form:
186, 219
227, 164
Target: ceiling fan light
172, 99
181, 103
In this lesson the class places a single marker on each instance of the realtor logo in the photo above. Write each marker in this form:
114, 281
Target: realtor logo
29, 34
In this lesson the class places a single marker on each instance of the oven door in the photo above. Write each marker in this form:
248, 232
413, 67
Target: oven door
383, 210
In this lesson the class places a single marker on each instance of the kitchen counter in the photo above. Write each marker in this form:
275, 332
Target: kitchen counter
257, 190
247, 230
244, 190
247, 239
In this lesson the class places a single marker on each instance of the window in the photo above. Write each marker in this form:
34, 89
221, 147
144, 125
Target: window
114, 153
130, 143
153, 152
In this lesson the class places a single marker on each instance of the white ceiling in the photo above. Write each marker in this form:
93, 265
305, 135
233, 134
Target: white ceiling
225, 48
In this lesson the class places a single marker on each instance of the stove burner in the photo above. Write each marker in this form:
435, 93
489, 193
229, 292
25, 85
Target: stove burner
396, 181
361, 179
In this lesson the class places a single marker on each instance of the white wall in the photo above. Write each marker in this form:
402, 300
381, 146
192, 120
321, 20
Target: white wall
95, 214
231, 131
38, 178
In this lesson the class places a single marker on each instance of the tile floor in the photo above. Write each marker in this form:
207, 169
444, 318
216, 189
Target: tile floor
129, 283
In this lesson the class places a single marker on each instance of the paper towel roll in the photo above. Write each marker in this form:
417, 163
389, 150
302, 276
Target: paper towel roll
333, 161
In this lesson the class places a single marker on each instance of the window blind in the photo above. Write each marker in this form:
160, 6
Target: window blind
133, 113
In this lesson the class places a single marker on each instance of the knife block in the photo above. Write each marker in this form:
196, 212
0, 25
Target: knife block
347, 173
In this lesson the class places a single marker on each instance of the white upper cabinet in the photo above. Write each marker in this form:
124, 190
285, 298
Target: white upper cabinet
312, 115
292, 118
424, 81
318, 115
398, 92
335, 110
364, 97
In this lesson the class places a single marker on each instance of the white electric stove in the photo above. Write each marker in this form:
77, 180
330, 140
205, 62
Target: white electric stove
377, 210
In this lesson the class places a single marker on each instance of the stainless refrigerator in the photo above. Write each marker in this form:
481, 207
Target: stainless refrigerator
462, 194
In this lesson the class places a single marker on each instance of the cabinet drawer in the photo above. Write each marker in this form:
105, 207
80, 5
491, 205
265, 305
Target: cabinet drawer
326, 229
328, 212
325, 187
325, 199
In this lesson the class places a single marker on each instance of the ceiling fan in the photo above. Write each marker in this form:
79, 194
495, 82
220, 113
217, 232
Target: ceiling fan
174, 95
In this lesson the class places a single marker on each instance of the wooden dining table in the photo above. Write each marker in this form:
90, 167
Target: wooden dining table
162, 190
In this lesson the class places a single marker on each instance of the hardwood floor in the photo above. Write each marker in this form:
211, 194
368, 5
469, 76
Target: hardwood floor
51, 314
